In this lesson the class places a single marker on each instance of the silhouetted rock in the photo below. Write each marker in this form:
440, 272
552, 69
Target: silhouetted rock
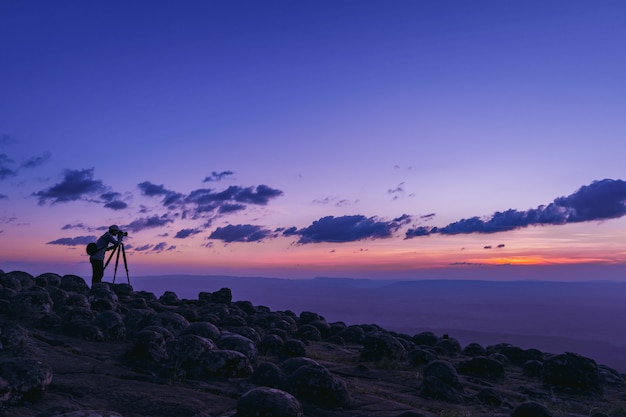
570, 370
474, 349
148, 350
447, 346
292, 348
531, 409
532, 368
26, 380
481, 367
421, 356
269, 375
31, 304
378, 346
225, 363
441, 382
315, 384
426, 339
268, 402
74, 283
67, 350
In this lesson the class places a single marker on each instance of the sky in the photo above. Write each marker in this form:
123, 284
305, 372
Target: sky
352, 138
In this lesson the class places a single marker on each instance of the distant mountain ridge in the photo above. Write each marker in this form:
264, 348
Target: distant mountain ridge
581, 316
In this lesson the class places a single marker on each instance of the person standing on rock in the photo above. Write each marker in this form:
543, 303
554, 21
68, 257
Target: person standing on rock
97, 259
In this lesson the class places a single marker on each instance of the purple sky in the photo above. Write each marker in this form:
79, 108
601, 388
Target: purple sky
296, 139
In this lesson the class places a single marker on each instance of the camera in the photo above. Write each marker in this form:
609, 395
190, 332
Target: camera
122, 233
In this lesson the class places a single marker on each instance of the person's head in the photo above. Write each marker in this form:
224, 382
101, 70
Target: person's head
113, 229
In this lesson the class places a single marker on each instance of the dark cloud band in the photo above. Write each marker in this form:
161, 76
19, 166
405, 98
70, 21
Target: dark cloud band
600, 200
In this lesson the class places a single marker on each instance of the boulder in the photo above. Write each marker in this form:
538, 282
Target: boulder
111, 324
202, 328
421, 356
426, 339
268, 402
148, 349
48, 279
101, 298
379, 345
31, 304
531, 409
233, 341
28, 380
532, 368
314, 383
448, 346
475, 349
174, 322
25, 279
74, 283
270, 375
352, 334
292, 348
224, 363
186, 349
573, 371
441, 382
271, 344
137, 319
169, 298
291, 365
309, 332
481, 367
12, 335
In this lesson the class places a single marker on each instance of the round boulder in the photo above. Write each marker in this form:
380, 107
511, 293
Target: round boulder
378, 346
570, 370
316, 384
481, 367
531, 409
28, 379
268, 402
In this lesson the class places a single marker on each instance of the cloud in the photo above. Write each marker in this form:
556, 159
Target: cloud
5, 170
74, 226
345, 229
148, 223
333, 200
185, 233
395, 191
4, 197
159, 247
36, 161
218, 176
75, 186
600, 200
230, 208
241, 233
259, 195
205, 202
152, 190
73, 241
113, 201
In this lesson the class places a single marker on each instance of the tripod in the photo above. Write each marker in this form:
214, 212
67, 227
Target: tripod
119, 248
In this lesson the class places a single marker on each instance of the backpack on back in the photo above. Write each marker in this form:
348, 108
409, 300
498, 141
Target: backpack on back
91, 248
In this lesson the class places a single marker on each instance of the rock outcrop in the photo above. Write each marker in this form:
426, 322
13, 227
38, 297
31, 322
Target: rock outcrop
67, 350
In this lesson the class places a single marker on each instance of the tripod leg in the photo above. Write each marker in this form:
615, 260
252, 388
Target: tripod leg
125, 263
117, 261
110, 256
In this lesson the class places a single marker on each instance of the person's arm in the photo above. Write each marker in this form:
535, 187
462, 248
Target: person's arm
113, 240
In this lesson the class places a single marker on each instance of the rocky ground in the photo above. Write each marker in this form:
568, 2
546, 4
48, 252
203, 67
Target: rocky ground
74, 351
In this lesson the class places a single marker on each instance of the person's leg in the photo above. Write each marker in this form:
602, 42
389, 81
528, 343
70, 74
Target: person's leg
97, 268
